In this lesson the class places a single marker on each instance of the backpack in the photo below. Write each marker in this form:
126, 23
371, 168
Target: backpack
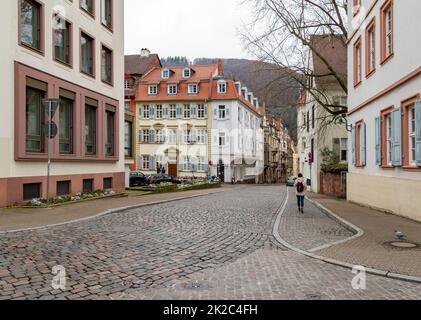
300, 187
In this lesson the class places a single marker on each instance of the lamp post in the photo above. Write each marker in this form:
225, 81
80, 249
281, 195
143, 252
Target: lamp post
50, 106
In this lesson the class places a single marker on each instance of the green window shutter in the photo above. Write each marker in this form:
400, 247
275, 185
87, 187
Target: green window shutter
152, 112
378, 142
193, 111
179, 111
165, 112
396, 118
418, 132
206, 111
363, 144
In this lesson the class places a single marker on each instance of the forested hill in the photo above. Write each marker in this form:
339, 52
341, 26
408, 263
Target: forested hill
269, 83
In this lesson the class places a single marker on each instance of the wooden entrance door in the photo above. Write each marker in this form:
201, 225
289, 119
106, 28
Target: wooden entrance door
172, 170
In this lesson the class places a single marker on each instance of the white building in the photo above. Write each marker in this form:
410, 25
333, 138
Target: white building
72, 51
384, 71
317, 131
237, 136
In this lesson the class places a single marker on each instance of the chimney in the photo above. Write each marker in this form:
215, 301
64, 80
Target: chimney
145, 53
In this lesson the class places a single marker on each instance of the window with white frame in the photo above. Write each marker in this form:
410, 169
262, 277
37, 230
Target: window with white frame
193, 88
201, 111
146, 112
126, 84
172, 89
159, 111
173, 111
222, 87
160, 161
187, 111
412, 136
389, 30
160, 136
222, 139
201, 136
145, 162
146, 136
187, 73
188, 136
222, 112
165, 74
201, 164
172, 136
186, 164
153, 90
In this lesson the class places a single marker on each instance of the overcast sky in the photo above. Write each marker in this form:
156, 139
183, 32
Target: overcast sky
191, 28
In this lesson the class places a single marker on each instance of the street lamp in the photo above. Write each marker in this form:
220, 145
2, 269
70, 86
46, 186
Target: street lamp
50, 106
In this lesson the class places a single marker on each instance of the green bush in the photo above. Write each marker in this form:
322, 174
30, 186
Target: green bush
334, 168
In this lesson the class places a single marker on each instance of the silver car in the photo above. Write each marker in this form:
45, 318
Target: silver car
291, 181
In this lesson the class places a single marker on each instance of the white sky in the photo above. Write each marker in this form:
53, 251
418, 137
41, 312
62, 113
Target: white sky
191, 28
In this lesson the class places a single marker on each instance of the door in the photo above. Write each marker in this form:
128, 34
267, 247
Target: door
172, 170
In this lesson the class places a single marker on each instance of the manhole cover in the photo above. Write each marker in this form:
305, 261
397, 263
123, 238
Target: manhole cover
404, 245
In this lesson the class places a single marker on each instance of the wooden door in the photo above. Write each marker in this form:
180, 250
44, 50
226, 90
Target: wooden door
172, 170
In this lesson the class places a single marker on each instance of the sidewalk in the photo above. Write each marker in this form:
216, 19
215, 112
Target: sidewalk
23, 218
373, 248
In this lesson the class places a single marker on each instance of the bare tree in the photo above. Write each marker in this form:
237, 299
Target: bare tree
283, 33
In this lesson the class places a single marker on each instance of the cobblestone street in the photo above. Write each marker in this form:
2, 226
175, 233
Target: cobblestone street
215, 246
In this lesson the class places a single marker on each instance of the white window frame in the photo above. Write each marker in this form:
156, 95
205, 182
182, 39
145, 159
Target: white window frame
146, 163
389, 31
146, 135
172, 136
146, 111
159, 111
186, 73
173, 111
222, 87
172, 89
201, 164
222, 112
186, 111
126, 84
193, 88
201, 136
222, 141
165, 74
153, 90
160, 136
201, 111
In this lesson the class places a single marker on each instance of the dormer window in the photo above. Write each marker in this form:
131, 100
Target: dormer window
165, 74
172, 89
193, 88
222, 87
187, 73
153, 90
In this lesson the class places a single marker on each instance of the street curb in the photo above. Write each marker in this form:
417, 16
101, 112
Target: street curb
105, 213
377, 272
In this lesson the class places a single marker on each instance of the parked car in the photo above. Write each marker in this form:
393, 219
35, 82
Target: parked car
138, 179
291, 181
162, 178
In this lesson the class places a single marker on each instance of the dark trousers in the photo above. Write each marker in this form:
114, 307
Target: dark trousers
300, 201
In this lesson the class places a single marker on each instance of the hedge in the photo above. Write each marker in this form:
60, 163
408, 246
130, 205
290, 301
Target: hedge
334, 168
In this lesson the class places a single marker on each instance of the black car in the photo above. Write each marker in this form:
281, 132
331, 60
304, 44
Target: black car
162, 178
138, 179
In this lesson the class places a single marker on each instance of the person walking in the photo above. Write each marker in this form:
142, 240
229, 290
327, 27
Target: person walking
300, 192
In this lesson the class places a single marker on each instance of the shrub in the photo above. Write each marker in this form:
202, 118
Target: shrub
334, 168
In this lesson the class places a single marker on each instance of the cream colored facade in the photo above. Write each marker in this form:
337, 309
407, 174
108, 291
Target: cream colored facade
376, 179
12, 54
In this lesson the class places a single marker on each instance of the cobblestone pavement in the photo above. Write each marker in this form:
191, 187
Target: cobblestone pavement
311, 229
222, 241
142, 248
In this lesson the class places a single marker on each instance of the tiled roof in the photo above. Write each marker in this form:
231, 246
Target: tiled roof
135, 64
